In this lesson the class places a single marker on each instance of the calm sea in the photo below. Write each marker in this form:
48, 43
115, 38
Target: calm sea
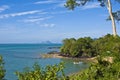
19, 56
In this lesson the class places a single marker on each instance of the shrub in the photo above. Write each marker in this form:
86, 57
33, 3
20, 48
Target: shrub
2, 70
54, 72
102, 70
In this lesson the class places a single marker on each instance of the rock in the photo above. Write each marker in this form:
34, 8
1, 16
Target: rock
53, 47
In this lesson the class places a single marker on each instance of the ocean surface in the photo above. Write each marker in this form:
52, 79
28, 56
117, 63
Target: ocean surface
19, 56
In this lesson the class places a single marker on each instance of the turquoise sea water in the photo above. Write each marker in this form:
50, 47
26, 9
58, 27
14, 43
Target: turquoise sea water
19, 56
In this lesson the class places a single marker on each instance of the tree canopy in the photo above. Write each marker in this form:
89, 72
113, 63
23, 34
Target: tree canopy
88, 47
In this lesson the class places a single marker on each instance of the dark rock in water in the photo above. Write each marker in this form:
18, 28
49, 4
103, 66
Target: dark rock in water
53, 52
53, 47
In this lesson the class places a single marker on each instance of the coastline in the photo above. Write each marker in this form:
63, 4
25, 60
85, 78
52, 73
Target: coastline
58, 55
55, 55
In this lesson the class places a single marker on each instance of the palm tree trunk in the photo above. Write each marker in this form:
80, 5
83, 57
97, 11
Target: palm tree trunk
109, 6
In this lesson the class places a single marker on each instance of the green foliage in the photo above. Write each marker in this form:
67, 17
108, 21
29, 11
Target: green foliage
81, 47
67, 45
54, 72
71, 4
2, 70
78, 48
87, 47
107, 44
102, 70
116, 16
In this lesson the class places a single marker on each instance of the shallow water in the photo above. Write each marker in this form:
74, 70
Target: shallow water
19, 56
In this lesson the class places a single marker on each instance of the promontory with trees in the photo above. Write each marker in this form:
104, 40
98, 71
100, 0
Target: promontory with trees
88, 47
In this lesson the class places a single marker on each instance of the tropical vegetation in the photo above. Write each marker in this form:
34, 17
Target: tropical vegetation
78, 48
107, 68
2, 70
50, 72
88, 47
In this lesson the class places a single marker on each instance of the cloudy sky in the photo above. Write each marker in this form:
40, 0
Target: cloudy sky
35, 21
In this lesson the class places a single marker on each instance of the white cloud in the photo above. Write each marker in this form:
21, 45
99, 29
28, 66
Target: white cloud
4, 7
60, 12
19, 14
48, 25
57, 3
61, 4
36, 19
49, 1
45, 2
91, 6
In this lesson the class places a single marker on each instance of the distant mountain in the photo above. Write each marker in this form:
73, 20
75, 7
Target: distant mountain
46, 42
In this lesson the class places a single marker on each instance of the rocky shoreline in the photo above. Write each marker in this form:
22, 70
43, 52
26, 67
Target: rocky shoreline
55, 54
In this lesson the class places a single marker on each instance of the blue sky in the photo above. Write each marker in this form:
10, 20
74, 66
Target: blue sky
34, 21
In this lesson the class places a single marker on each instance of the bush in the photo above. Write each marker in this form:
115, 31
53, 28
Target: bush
2, 70
107, 43
81, 47
65, 49
54, 72
102, 70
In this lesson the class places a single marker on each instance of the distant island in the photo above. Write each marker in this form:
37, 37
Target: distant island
46, 42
